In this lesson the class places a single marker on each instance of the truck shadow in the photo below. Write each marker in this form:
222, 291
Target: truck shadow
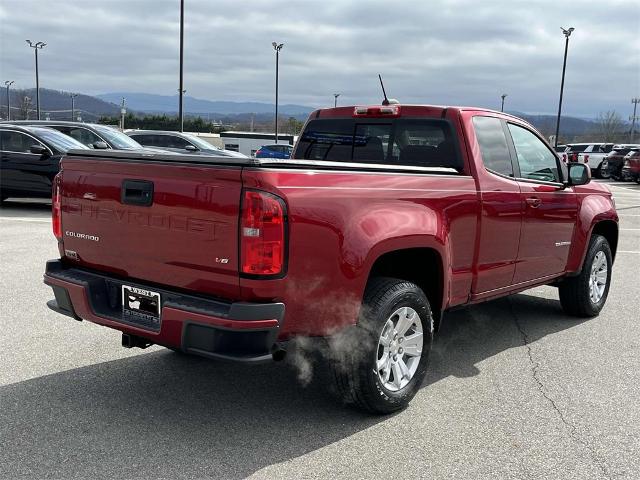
166, 415
470, 335
36, 208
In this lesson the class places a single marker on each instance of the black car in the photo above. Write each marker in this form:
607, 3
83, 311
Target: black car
179, 142
615, 159
93, 135
30, 158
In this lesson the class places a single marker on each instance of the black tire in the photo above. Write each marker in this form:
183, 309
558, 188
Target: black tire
603, 171
575, 291
355, 369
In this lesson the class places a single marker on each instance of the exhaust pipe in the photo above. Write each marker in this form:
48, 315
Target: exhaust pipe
131, 341
278, 352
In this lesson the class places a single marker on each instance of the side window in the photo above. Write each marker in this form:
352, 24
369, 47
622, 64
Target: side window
157, 140
141, 139
536, 161
493, 145
84, 136
17, 142
175, 142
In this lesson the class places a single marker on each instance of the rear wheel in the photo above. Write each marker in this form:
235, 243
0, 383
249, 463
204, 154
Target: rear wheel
603, 170
586, 294
383, 365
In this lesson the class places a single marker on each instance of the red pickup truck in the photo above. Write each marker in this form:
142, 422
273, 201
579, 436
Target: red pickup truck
384, 218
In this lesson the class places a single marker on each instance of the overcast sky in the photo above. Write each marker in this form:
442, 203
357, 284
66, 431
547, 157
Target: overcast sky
440, 52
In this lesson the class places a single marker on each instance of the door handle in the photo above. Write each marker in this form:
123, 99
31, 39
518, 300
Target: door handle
137, 192
534, 202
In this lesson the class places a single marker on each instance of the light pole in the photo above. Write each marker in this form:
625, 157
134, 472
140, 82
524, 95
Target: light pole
181, 89
8, 84
335, 99
181, 116
73, 98
277, 47
503, 96
633, 119
567, 34
123, 112
37, 46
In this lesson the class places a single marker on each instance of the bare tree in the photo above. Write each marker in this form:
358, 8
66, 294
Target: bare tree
610, 125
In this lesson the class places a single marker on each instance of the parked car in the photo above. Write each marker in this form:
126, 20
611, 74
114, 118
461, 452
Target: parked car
179, 142
93, 135
385, 218
631, 165
276, 150
29, 159
614, 160
594, 156
560, 148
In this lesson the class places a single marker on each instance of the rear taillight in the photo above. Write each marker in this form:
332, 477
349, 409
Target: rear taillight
586, 159
56, 208
258, 152
262, 234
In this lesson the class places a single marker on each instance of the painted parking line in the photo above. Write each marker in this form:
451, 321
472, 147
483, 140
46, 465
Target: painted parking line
630, 229
627, 251
26, 219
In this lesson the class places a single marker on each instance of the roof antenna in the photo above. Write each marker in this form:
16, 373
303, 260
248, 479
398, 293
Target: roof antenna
386, 100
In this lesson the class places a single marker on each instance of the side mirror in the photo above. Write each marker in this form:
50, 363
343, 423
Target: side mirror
190, 148
100, 145
38, 149
579, 174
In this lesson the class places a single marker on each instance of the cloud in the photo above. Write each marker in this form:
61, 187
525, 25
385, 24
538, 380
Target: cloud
442, 52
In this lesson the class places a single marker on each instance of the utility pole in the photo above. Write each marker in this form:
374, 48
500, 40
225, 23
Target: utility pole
8, 84
567, 34
181, 89
277, 47
633, 119
123, 112
37, 46
335, 99
503, 96
73, 98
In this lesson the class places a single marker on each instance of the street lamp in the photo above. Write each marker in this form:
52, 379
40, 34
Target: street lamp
123, 112
73, 98
181, 89
567, 34
503, 96
7, 84
277, 47
633, 119
37, 46
335, 99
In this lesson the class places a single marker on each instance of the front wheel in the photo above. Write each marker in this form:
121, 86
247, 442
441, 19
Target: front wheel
382, 366
586, 294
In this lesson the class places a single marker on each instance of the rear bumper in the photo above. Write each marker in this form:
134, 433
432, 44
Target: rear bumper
232, 331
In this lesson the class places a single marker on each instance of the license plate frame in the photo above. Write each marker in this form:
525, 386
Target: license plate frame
141, 306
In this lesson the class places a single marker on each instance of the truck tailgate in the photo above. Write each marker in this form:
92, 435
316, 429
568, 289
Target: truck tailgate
185, 237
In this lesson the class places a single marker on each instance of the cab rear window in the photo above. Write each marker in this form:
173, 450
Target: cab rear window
410, 142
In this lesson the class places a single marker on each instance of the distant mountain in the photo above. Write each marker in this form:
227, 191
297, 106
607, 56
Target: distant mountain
569, 126
150, 103
56, 104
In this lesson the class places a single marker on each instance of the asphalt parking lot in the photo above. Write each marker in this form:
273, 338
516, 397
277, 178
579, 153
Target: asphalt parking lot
516, 390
